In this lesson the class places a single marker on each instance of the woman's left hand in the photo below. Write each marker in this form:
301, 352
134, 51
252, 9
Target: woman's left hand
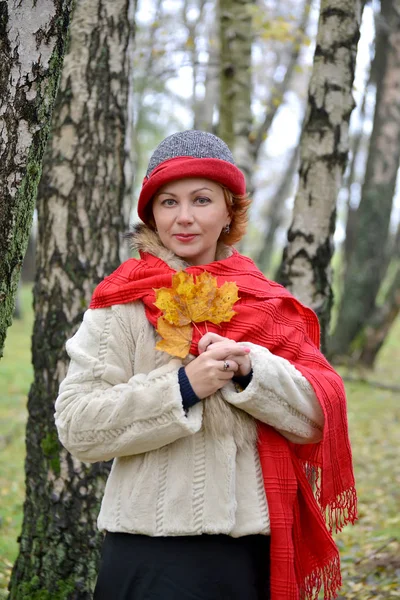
243, 362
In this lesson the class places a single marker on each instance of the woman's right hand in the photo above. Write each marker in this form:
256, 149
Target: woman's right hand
206, 372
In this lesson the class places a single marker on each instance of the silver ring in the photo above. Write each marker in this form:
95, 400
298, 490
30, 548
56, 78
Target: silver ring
226, 365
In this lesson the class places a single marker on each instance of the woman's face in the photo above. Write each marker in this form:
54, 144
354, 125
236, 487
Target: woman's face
189, 215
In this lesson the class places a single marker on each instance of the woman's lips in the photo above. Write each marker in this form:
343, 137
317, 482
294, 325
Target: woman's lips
185, 237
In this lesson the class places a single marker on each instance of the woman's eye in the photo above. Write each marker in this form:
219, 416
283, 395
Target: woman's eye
203, 200
168, 202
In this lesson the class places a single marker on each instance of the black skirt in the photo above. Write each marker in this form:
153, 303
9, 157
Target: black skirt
205, 567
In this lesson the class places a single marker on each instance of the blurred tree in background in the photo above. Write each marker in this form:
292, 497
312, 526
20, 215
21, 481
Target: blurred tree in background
235, 115
369, 253
81, 213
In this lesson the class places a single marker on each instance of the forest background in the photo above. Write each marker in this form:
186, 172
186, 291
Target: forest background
276, 81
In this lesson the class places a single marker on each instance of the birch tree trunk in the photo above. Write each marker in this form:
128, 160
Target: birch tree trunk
32, 44
235, 116
204, 109
80, 216
368, 261
323, 153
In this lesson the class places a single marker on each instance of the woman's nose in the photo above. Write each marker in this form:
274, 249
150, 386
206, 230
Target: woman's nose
185, 214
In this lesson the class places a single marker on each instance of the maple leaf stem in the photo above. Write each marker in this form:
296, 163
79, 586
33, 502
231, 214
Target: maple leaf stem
194, 324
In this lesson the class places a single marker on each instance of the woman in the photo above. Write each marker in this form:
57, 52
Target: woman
208, 496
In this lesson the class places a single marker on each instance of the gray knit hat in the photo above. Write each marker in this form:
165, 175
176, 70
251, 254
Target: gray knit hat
190, 154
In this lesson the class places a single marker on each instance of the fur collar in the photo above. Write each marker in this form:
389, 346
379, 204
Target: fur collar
144, 239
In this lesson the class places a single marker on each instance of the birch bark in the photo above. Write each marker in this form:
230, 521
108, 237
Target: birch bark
81, 215
323, 153
33, 35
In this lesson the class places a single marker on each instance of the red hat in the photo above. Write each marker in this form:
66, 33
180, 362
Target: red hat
190, 154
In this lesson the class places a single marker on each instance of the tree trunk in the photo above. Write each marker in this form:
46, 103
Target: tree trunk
32, 45
279, 89
28, 266
18, 304
139, 108
236, 120
204, 109
377, 329
358, 143
275, 211
235, 116
380, 323
368, 261
80, 208
305, 269
192, 28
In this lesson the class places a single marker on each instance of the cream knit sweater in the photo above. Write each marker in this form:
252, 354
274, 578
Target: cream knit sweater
172, 475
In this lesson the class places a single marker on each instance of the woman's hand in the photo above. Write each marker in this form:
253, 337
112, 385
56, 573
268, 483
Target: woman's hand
213, 340
210, 371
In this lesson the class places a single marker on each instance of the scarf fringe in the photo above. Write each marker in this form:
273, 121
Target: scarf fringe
328, 576
342, 510
339, 512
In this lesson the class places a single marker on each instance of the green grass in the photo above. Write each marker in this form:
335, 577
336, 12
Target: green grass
370, 551
15, 378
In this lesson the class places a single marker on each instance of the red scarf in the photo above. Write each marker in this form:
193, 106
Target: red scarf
303, 554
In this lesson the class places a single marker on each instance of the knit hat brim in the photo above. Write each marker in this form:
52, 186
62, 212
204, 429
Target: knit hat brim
221, 171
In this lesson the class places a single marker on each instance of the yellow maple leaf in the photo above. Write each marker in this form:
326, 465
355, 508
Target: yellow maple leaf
188, 302
173, 301
225, 298
176, 340
203, 297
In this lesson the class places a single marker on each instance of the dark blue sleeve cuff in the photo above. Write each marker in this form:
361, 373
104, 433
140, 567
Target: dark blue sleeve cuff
243, 380
189, 398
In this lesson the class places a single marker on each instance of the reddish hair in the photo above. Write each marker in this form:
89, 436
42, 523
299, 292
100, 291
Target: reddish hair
238, 208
